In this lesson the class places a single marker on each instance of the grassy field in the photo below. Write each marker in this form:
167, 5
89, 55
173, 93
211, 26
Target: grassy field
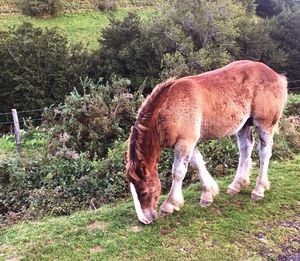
78, 27
233, 228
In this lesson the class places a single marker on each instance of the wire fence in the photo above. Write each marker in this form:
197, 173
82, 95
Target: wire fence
22, 112
42, 109
28, 114
11, 122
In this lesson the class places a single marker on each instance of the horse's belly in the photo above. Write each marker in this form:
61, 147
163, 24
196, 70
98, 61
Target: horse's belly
222, 126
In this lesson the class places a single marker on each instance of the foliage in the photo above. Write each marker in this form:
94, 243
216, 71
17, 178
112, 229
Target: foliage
32, 68
286, 33
59, 185
79, 27
92, 118
293, 105
106, 5
270, 8
41, 8
37, 68
255, 43
125, 52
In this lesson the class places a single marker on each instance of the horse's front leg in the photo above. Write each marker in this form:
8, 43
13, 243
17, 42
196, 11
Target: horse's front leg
209, 186
174, 200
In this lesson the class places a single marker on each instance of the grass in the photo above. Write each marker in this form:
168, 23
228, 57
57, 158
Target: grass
33, 144
78, 27
233, 228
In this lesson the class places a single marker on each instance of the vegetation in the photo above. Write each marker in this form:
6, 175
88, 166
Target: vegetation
233, 228
84, 27
92, 94
78, 162
41, 8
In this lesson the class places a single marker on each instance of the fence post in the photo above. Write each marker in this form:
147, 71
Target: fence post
17, 131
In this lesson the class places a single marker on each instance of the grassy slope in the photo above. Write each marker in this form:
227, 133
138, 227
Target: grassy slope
78, 27
231, 229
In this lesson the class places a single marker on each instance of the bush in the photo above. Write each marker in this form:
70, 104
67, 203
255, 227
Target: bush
106, 5
41, 8
58, 185
127, 53
92, 118
38, 68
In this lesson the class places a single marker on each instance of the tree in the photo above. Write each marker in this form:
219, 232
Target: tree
197, 35
255, 43
126, 52
286, 33
270, 8
37, 67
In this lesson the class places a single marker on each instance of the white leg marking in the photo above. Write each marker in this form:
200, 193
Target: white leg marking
265, 153
245, 143
175, 199
137, 206
210, 187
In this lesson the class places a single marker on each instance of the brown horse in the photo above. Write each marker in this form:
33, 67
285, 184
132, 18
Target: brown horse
180, 113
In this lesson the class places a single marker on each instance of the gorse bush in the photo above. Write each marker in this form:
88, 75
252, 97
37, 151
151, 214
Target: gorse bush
106, 5
92, 118
41, 8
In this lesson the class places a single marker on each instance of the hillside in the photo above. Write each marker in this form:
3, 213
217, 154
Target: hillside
231, 229
84, 27
13, 7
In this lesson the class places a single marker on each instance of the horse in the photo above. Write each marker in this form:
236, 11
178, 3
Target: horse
179, 113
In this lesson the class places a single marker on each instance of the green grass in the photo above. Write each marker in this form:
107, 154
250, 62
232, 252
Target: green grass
33, 144
78, 27
294, 98
233, 228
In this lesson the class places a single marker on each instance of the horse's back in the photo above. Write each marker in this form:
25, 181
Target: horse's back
218, 103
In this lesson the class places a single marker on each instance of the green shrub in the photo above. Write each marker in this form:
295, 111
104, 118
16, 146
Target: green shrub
59, 185
41, 8
106, 5
91, 119
38, 68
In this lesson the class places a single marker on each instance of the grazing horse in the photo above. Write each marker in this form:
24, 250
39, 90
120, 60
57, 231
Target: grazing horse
180, 113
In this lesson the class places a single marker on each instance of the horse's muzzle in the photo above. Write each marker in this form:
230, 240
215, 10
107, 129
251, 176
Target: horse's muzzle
149, 216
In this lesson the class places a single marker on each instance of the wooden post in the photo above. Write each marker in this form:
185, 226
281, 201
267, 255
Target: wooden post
17, 131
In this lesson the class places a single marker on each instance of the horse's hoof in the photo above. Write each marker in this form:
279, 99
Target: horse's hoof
232, 192
256, 197
205, 203
163, 213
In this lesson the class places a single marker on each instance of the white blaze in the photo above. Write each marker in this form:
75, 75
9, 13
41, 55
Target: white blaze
137, 205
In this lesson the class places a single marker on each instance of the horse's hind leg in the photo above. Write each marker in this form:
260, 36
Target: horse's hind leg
245, 143
183, 154
210, 188
265, 153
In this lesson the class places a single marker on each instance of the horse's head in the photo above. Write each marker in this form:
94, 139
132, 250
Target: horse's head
145, 189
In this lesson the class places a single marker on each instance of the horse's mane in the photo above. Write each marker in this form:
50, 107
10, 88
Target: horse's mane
135, 154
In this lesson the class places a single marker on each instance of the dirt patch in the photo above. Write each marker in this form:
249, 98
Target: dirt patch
96, 249
166, 231
290, 248
97, 225
136, 229
13, 259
